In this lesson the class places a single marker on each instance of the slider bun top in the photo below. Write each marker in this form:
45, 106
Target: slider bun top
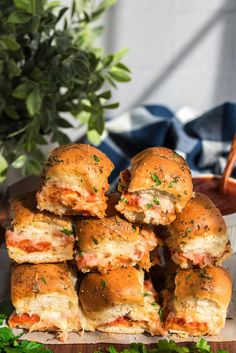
200, 218
211, 283
28, 281
161, 164
102, 291
26, 213
93, 232
79, 161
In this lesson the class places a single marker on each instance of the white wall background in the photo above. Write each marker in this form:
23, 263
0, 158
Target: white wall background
181, 52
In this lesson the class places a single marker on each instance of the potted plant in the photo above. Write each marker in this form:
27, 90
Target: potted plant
50, 66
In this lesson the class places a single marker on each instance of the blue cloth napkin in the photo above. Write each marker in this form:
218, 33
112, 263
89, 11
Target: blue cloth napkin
204, 141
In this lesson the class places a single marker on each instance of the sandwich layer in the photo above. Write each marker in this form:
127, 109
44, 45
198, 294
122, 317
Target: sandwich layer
75, 181
198, 236
157, 186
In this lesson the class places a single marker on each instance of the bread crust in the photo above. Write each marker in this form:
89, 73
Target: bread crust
211, 283
101, 291
200, 218
27, 281
26, 213
169, 167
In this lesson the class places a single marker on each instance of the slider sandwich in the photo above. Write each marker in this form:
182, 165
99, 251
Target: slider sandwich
200, 301
120, 301
156, 188
75, 181
198, 236
38, 237
112, 242
45, 299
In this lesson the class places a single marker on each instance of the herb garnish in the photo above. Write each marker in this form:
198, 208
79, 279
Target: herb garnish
155, 201
134, 228
149, 205
103, 283
96, 158
44, 280
123, 199
161, 314
95, 189
173, 181
146, 294
95, 241
67, 231
155, 179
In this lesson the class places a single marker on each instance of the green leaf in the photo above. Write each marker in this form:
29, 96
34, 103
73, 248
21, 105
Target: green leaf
63, 123
111, 106
123, 67
119, 74
3, 168
19, 162
11, 112
105, 95
19, 17
203, 345
96, 122
83, 117
11, 43
22, 91
94, 137
13, 69
26, 5
120, 54
33, 102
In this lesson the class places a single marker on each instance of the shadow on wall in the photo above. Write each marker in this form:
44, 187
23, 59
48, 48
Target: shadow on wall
220, 92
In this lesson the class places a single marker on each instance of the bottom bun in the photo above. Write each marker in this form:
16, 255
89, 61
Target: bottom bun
54, 255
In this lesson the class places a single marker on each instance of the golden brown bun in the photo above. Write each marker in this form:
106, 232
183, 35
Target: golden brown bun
26, 213
81, 161
28, 281
75, 181
211, 283
168, 166
199, 218
101, 291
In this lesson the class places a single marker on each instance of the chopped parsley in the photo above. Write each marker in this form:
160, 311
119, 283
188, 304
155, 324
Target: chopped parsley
96, 158
134, 228
81, 253
103, 283
149, 205
95, 241
44, 280
67, 231
155, 179
161, 314
173, 181
188, 277
95, 189
123, 199
154, 304
146, 294
155, 201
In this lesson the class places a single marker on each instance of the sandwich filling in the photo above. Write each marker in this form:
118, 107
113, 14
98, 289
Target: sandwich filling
40, 237
60, 198
147, 206
200, 251
111, 254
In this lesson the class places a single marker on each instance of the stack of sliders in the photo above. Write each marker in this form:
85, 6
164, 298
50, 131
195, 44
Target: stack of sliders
84, 256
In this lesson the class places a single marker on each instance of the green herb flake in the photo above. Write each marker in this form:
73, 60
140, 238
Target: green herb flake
95, 189
96, 158
95, 241
149, 205
154, 304
123, 199
189, 230
173, 181
155, 179
67, 231
44, 280
103, 283
81, 253
146, 294
156, 201
161, 314
188, 277
134, 228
